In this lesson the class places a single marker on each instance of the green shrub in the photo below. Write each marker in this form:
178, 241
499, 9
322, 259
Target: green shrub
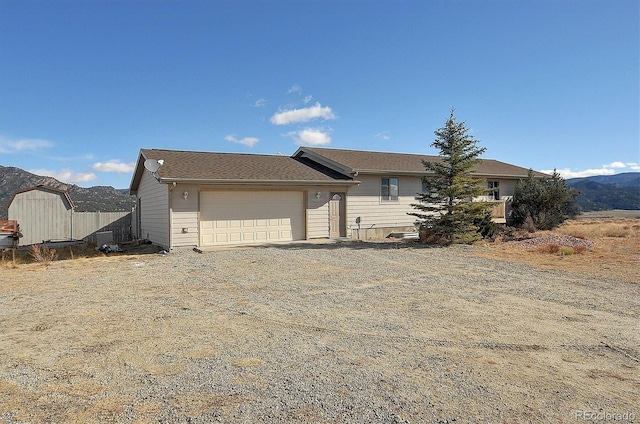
543, 203
566, 251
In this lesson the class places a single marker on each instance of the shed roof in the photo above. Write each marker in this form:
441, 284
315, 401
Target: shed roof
63, 194
352, 161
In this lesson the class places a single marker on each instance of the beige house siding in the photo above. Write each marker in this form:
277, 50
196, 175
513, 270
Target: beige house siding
364, 201
154, 210
318, 214
184, 216
42, 215
507, 189
318, 210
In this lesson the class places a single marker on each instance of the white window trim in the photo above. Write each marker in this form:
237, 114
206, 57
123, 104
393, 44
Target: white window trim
493, 186
389, 200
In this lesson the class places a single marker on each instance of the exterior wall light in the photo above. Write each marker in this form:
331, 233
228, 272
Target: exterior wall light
185, 195
318, 194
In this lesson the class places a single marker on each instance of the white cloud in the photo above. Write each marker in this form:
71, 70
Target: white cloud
606, 169
615, 165
21, 145
295, 88
260, 103
247, 141
302, 115
311, 137
568, 173
307, 99
66, 175
114, 166
633, 166
384, 135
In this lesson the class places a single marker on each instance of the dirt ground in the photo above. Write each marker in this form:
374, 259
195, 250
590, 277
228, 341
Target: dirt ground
352, 332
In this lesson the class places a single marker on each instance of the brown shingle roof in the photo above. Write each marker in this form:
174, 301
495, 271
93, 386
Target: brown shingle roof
382, 162
309, 165
208, 166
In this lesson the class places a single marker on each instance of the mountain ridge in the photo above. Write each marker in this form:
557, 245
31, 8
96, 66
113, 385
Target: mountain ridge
90, 199
599, 192
606, 192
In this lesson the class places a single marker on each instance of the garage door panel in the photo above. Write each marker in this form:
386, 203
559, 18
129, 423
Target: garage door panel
251, 217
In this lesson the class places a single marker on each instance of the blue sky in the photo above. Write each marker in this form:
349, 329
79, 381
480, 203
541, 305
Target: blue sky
541, 84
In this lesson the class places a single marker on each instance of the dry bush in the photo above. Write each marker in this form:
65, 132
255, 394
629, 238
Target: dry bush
505, 233
579, 249
428, 236
42, 255
549, 248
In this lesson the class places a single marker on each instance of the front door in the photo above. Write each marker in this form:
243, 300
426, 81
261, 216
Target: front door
337, 212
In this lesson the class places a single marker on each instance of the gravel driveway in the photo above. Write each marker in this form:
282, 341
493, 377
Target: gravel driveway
353, 333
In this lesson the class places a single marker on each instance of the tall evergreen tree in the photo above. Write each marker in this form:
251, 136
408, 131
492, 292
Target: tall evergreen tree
446, 212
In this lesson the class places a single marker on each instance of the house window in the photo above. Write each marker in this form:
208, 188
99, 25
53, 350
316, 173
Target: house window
494, 190
389, 189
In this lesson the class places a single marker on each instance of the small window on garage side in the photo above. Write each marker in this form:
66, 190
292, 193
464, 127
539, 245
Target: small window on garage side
494, 190
389, 189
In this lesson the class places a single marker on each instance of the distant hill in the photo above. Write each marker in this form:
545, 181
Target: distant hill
92, 199
606, 192
626, 179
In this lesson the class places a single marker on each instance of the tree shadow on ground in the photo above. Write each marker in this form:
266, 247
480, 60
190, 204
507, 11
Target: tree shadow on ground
350, 244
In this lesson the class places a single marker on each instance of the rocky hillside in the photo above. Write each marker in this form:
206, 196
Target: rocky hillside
607, 192
92, 199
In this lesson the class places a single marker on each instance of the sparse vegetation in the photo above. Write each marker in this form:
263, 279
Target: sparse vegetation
43, 255
8, 259
600, 228
561, 250
612, 247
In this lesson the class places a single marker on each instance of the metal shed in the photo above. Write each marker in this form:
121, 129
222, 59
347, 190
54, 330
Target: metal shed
44, 213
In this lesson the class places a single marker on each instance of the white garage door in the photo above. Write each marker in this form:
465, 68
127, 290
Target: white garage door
241, 217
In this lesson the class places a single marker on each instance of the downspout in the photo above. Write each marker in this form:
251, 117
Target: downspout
169, 193
71, 223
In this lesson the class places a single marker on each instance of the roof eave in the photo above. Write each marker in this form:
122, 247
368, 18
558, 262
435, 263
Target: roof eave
323, 160
254, 182
137, 173
387, 172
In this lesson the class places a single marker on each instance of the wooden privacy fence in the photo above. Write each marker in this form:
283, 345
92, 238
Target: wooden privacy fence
85, 225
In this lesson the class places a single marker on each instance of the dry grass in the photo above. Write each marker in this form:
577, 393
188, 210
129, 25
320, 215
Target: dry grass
601, 228
12, 259
616, 253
